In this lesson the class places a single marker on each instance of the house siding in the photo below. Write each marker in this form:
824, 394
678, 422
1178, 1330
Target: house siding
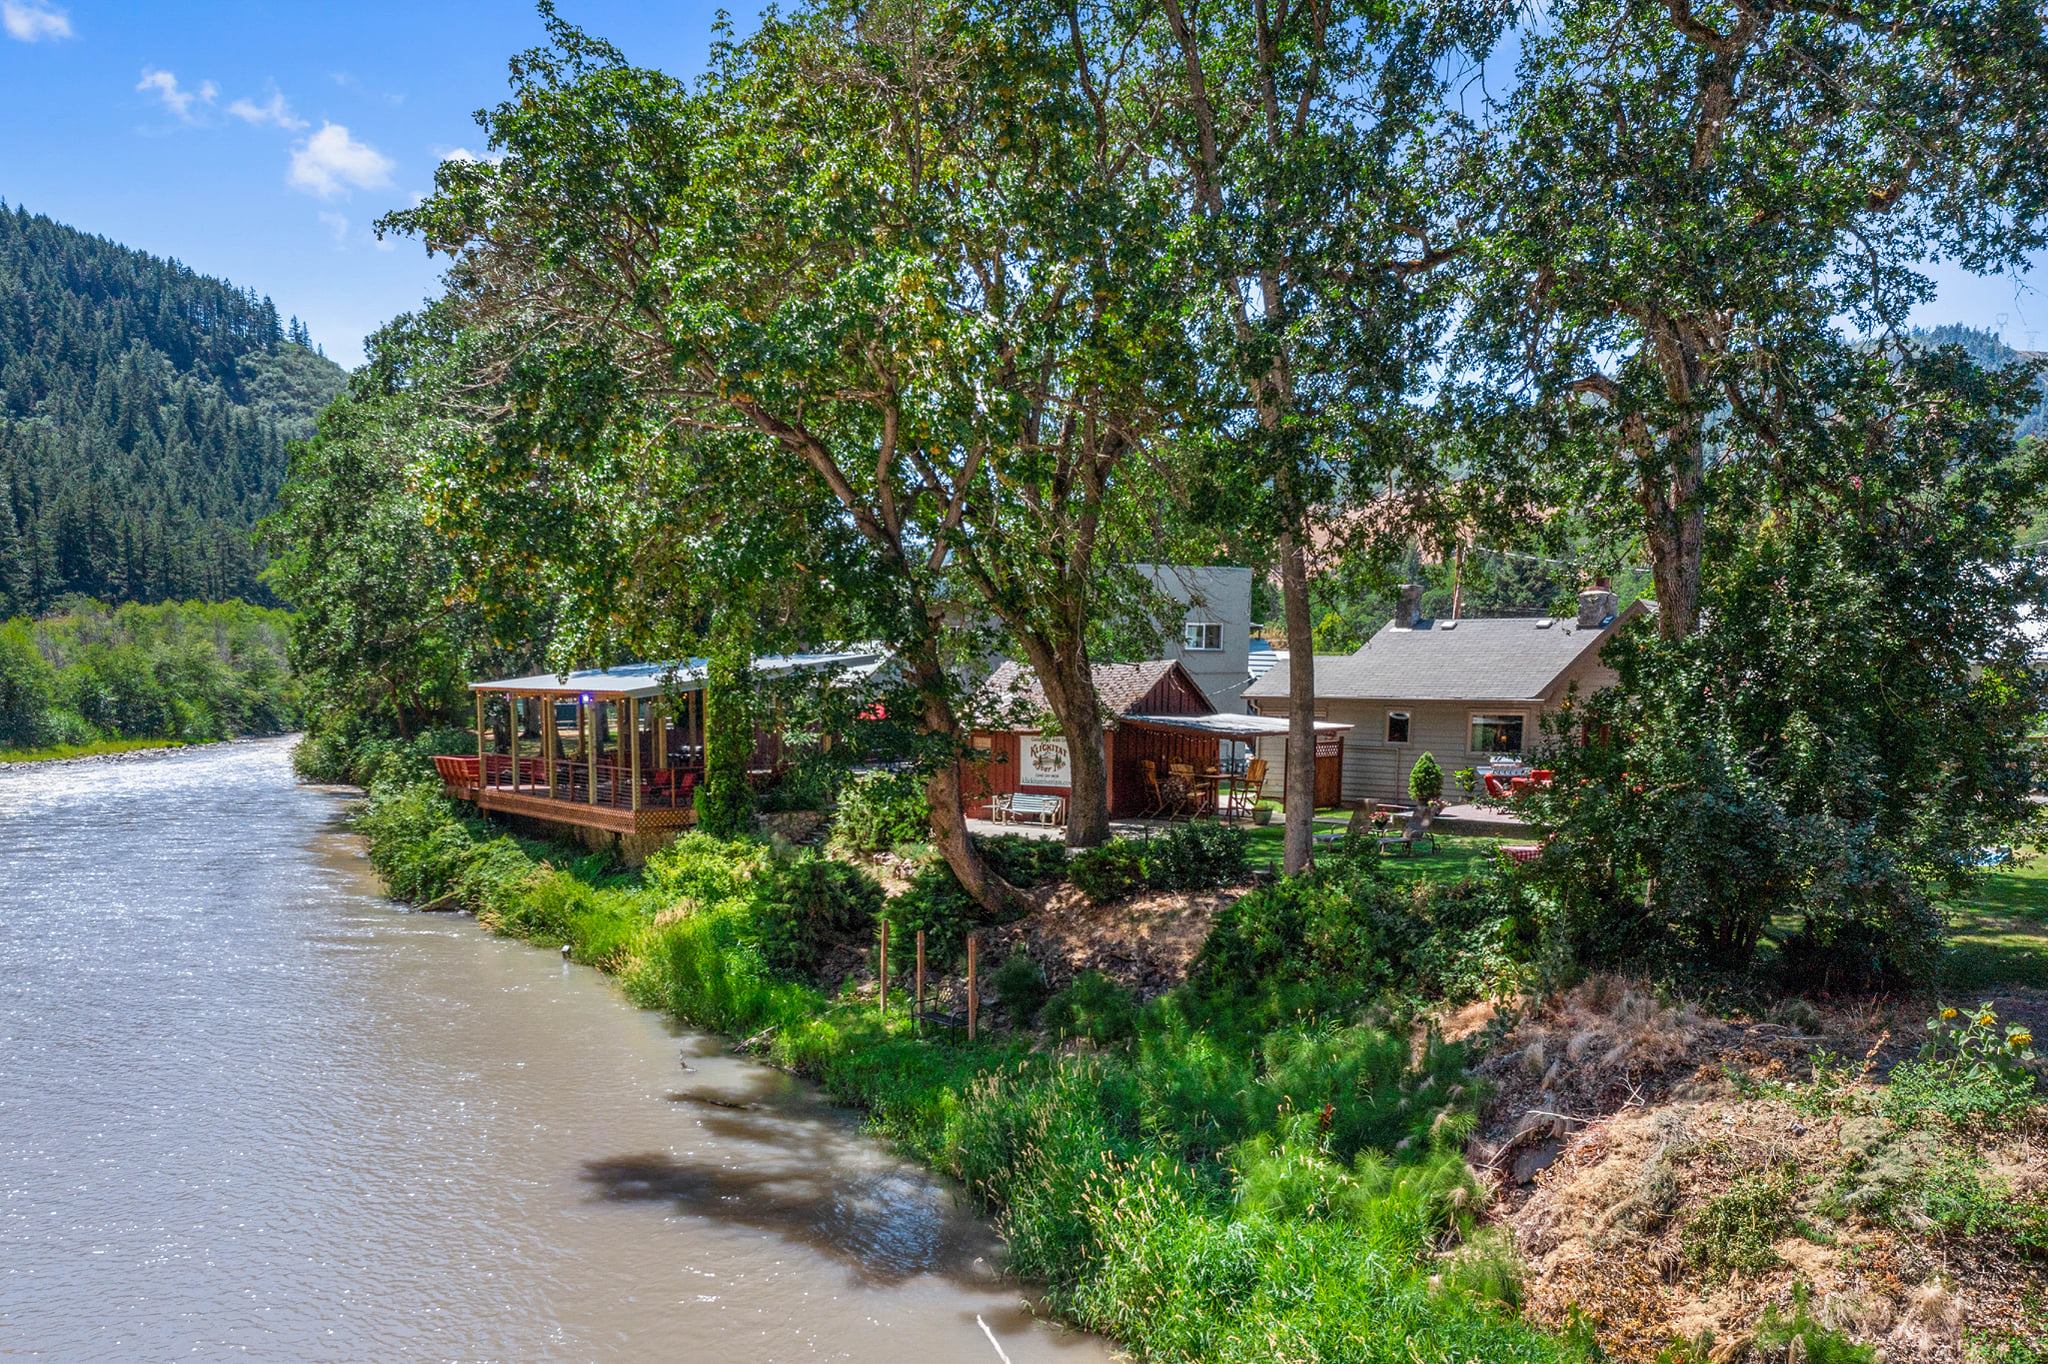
1377, 770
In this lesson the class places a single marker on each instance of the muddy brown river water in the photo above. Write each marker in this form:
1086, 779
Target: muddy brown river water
249, 1108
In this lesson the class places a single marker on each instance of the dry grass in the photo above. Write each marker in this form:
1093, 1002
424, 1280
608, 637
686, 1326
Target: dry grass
1631, 1139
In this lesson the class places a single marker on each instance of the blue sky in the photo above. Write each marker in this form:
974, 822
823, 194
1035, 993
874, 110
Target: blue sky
259, 141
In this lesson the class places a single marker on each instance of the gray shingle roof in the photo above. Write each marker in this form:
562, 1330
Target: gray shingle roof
1012, 690
1512, 659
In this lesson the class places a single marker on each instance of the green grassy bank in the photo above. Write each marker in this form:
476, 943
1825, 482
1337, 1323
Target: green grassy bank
1257, 1166
97, 748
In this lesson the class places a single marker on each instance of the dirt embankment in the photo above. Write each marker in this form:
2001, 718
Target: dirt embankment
1670, 1177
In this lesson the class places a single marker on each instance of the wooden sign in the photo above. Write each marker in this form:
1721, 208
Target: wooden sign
1046, 762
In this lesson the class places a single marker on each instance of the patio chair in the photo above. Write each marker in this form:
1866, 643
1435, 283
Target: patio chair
1495, 787
1149, 770
1412, 833
1358, 826
1246, 797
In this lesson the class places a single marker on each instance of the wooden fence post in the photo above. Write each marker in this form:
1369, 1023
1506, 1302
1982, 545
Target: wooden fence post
917, 1013
973, 993
884, 993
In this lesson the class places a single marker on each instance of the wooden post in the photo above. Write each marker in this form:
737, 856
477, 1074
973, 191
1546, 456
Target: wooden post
479, 743
883, 994
547, 741
632, 733
590, 743
917, 1007
973, 991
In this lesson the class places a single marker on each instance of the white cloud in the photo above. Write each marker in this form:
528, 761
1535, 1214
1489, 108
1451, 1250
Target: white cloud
273, 111
332, 162
31, 21
176, 98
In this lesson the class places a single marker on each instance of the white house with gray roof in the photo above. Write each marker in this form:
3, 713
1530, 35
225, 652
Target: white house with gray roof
1464, 690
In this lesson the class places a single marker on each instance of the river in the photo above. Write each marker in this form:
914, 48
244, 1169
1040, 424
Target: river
249, 1108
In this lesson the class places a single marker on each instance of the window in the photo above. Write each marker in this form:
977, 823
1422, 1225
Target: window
1203, 635
1397, 726
1496, 734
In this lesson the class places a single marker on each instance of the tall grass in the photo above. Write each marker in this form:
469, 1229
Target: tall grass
1226, 1184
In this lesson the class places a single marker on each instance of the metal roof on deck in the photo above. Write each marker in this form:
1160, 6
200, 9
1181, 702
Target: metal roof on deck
1227, 724
630, 680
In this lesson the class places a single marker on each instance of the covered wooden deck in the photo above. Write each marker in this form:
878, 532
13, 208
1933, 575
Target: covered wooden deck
619, 750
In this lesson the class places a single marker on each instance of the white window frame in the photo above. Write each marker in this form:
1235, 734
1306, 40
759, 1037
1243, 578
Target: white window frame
1474, 717
1407, 719
1202, 629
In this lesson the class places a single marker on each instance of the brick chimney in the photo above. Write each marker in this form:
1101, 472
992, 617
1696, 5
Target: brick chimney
1408, 609
1596, 604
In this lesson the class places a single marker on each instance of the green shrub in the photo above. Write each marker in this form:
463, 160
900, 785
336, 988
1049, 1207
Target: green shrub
1304, 946
1426, 780
936, 903
725, 802
1818, 1344
1092, 1006
878, 810
1024, 861
708, 870
1200, 855
1970, 1070
1734, 1233
1110, 871
1020, 987
809, 904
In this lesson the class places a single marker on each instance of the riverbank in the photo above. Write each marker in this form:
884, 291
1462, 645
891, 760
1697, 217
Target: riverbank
98, 748
1235, 1172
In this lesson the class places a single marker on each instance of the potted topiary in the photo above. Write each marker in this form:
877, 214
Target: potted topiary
1426, 781
1468, 781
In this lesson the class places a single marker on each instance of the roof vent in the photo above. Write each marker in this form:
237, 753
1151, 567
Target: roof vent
1545, 622
1448, 625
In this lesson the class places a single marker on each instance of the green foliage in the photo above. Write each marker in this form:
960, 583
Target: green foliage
1020, 986
936, 904
1024, 861
1959, 1199
880, 810
1092, 1006
807, 905
725, 802
1734, 1232
1817, 1342
145, 413
1971, 1070
1199, 855
1110, 871
696, 866
185, 671
1813, 756
1426, 780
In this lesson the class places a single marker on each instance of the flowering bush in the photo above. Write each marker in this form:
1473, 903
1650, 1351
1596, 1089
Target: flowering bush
1970, 1068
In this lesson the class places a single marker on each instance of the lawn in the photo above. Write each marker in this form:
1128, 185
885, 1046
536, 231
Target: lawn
1455, 856
98, 748
1998, 929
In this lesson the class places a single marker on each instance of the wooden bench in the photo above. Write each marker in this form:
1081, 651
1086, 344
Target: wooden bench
1018, 807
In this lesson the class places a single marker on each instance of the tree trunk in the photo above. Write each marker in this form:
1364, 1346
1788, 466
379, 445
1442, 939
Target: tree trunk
1069, 685
942, 794
1300, 788
1675, 529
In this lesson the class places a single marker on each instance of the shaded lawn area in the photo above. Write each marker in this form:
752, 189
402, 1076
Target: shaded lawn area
1456, 855
1998, 929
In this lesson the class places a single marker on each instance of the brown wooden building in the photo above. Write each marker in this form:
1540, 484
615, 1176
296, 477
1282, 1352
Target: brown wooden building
1153, 711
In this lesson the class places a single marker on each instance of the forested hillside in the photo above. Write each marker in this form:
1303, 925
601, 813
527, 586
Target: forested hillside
144, 413
1987, 350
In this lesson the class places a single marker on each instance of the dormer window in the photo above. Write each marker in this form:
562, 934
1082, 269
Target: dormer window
1202, 636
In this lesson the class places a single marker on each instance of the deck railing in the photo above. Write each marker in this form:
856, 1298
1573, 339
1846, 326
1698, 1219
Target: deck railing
571, 779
